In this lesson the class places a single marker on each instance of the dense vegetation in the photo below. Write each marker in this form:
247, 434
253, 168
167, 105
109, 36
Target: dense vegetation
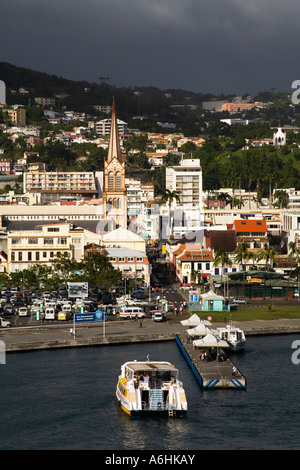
228, 159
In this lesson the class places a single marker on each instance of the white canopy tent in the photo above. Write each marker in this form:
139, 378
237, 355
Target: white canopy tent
194, 320
210, 341
199, 330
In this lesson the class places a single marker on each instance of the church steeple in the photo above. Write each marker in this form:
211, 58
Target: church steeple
114, 187
114, 150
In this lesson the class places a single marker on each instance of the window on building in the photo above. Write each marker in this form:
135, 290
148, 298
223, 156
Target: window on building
111, 181
33, 241
118, 181
48, 241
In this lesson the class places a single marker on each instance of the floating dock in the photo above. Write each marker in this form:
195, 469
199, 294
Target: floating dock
213, 374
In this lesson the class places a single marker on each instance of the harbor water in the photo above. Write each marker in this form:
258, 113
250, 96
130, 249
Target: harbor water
65, 399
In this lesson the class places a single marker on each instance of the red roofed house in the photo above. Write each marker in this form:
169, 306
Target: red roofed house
254, 232
190, 261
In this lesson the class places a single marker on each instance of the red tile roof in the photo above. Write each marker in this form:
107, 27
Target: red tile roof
250, 226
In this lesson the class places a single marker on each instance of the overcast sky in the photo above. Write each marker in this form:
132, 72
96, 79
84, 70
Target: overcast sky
206, 46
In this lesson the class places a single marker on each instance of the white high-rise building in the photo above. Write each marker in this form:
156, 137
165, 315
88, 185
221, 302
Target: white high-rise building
188, 212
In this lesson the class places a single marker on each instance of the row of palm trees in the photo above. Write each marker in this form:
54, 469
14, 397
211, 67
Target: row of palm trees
243, 255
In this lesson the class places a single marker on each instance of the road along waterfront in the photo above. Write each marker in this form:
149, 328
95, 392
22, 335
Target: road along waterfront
121, 332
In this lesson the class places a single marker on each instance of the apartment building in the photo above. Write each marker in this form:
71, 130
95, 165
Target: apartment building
16, 114
105, 109
186, 179
6, 165
237, 107
103, 127
59, 183
44, 101
26, 248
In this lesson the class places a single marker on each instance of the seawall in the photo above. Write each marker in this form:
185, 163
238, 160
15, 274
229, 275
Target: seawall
41, 337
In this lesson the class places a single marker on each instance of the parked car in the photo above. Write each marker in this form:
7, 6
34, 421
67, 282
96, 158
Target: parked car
4, 323
107, 299
239, 301
136, 302
154, 307
8, 310
139, 294
23, 312
159, 316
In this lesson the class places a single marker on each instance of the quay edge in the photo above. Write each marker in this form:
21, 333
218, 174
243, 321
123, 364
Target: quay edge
31, 339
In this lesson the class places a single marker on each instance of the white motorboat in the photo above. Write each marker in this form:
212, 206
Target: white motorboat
150, 386
234, 336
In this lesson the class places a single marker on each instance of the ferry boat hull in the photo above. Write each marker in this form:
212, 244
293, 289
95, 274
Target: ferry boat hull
235, 337
150, 388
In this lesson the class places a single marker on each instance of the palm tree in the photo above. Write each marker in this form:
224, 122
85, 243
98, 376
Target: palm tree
241, 255
168, 197
281, 198
268, 254
293, 253
251, 256
221, 257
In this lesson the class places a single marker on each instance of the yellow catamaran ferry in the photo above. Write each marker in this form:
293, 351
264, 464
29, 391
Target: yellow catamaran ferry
150, 387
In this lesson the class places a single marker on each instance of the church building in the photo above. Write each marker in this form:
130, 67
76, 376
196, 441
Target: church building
114, 189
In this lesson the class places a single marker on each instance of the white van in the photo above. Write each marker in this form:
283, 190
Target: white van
67, 308
132, 312
23, 311
50, 303
49, 313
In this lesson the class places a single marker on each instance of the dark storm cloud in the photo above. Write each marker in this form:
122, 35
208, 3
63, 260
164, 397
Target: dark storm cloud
210, 46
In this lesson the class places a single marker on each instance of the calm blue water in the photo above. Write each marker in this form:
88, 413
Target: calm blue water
65, 399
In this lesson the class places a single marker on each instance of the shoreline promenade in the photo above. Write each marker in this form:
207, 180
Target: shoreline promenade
51, 336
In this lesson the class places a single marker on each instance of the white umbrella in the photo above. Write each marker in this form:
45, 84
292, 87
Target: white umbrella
210, 341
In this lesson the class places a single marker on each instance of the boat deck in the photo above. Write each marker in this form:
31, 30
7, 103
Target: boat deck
212, 374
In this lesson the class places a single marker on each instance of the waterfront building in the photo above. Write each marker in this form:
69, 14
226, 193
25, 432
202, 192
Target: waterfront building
41, 245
